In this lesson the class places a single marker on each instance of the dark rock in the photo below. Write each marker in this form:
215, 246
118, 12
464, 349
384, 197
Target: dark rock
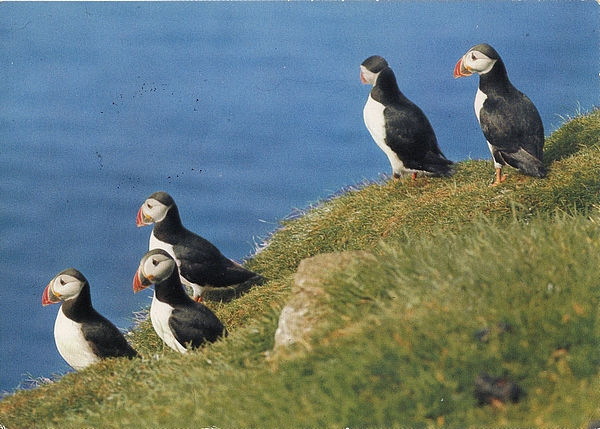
491, 390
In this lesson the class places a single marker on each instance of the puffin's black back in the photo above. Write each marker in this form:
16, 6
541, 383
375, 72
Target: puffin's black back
408, 131
212, 268
509, 120
195, 325
201, 262
189, 247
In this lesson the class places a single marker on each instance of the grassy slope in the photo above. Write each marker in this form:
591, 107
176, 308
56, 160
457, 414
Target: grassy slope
453, 256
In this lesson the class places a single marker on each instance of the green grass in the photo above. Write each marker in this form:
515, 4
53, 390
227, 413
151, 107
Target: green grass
451, 257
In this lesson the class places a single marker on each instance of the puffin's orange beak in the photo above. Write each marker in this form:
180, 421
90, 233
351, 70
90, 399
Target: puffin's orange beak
460, 70
141, 218
49, 297
140, 281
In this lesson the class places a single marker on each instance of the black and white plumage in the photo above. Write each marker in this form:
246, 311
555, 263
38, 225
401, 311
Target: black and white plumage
398, 126
510, 122
82, 335
201, 264
178, 320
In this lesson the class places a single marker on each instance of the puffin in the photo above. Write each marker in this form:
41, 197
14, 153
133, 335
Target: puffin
398, 126
178, 320
509, 120
83, 336
201, 264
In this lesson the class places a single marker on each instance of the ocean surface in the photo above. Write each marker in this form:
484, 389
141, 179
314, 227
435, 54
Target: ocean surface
242, 111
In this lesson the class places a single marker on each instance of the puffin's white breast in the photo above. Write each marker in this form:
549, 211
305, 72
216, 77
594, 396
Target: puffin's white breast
71, 344
374, 120
155, 243
160, 313
480, 98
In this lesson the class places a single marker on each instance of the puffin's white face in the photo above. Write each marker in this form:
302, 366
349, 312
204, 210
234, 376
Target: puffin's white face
62, 288
151, 211
154, 268
473, 62
367, 77
158, 267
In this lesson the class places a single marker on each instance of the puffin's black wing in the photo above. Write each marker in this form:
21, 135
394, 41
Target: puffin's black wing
513, 126
195, 324
105, 338
210, 268
410, 135
203, 263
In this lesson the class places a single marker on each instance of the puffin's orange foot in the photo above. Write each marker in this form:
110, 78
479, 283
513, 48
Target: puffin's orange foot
197, 298
499, 180
499, 177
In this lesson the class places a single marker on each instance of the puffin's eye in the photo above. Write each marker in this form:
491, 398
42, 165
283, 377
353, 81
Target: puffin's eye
473, 57
154, 262
62, 282
149, 205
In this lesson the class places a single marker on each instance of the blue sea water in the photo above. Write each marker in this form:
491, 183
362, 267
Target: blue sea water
242, 111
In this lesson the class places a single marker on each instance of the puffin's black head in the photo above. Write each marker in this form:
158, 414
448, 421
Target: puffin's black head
370, 69
487, 50
74, 273
163, 197
375, 64
154, 209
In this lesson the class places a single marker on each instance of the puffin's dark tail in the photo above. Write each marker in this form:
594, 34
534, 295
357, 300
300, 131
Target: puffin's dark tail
440, 170
228, 293
526, 163
438, 165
